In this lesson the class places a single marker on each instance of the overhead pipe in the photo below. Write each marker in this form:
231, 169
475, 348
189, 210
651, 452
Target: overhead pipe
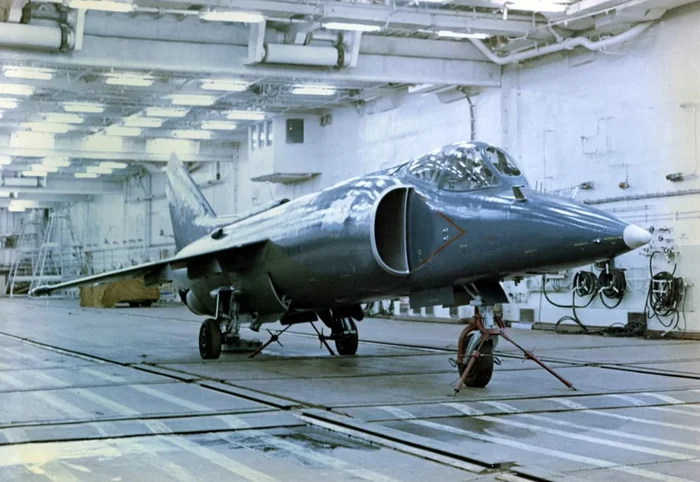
567, 44
40, 37
302, 55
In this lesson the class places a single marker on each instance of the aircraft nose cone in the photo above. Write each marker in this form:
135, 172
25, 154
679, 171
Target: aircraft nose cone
635, 237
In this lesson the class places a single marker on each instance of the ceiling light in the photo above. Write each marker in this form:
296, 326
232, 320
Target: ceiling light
132, 80
56, 161
356, 27
63, 118
245, 115
231, 16
451, 34
99, 170
103, 5
142, 122
7, 103
113, 165
28, 73
16, 209
5, 160
219, 125
191, 134
46, 127
83, 107
85, 175
43, 168
166, 112
34, 173
186, 99
222, 84
5, 194
123, 131
536, 6
16, 89
301, 89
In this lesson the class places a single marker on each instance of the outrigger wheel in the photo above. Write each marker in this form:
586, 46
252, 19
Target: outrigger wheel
210, 340
480, 374
346, 336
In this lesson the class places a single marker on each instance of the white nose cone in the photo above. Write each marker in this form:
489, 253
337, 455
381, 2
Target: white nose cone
635, 237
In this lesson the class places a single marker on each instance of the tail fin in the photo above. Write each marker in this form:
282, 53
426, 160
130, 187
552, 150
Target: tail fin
190, 213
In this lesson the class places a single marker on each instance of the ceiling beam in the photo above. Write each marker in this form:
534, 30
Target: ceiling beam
56, 187
154, 55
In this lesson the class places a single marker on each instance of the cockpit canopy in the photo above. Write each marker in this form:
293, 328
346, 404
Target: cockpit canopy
465, 167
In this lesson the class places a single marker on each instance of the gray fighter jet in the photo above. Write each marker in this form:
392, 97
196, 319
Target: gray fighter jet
443, 229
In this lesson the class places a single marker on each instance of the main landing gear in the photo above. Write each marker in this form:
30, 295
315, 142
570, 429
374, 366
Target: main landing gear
224, 329
477, 342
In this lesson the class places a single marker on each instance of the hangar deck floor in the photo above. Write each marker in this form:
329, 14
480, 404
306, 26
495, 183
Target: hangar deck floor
122, 395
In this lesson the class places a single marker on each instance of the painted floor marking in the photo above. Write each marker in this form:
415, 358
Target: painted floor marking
663, 398
173, 470
644, 420
588, 438
49, 379
219, 459
171, 398
616, 433
104, 376
464, 408
12, 381
504, 407
568, 403
627, 398
604, 464
63, 406
400, 413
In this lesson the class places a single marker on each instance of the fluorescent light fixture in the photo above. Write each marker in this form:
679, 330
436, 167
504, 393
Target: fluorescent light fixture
451, 34
46, 127
34, 140
85, 175
16, 89
219, 125
83, 107
231, 16
187, 99
34, 173
63, 118
311, 89
28, 73
16, 209
536, 6
356, 27
128, 79
191, 134
5, 160
168, 146
114, 165
99, 170
226, 85
56, 161
142, 122
123, 131
166, 112
245, 115
103, 5
7, 103
5, 194
43, 168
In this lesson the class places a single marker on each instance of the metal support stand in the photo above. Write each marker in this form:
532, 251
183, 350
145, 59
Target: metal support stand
487, 331
322, 338
274, 337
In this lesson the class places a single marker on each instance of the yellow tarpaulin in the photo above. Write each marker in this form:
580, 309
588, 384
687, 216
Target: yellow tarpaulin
109, 294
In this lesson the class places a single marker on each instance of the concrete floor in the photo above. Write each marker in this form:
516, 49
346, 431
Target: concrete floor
121, 395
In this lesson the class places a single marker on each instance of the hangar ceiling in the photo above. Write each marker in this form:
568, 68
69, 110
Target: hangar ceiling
102, 88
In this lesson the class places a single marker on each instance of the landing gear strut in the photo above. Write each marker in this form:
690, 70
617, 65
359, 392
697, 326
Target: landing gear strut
476, 345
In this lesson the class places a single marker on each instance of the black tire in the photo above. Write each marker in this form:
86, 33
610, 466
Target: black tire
210, 340
133, 304
348, 339
481, 372
146, 304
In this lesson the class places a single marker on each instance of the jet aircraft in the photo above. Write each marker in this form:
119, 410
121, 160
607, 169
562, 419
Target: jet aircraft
441, 229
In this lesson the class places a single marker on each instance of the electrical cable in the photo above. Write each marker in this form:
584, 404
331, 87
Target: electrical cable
666, 294
585, 284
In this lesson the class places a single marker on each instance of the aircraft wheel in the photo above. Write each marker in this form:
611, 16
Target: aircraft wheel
482, 370
348, 339
210, 340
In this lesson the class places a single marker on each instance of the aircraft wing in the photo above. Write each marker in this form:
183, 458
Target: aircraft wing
200, 263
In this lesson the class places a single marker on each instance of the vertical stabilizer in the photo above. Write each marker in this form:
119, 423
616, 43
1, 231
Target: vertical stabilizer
190, 213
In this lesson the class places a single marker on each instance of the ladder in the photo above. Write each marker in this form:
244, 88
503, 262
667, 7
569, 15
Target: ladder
31, 235
59, 257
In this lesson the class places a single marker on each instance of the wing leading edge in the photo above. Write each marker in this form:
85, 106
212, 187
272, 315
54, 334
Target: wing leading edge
159, 272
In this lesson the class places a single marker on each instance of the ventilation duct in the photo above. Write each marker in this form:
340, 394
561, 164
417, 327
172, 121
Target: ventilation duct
36, 37
20, 182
